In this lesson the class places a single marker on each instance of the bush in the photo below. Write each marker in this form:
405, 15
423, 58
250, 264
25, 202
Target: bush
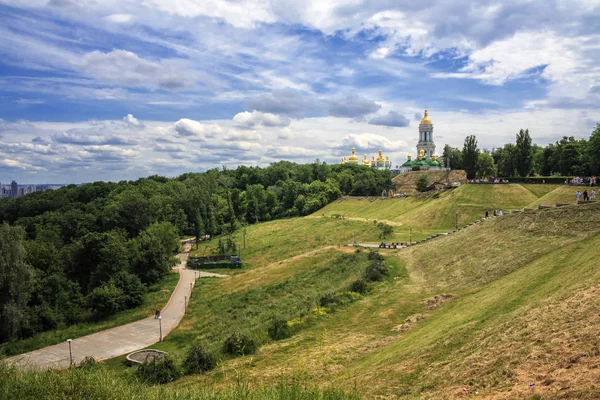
359, 286
375, 256
239, 344
88, 362
422, 183
158, 370
376, 272
329, 298
133, 289
279, 329
198, 359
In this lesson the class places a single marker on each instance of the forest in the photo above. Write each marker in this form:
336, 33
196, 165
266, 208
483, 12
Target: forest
566, 157
82, 253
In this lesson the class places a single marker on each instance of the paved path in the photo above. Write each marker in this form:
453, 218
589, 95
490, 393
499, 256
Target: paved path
122, 339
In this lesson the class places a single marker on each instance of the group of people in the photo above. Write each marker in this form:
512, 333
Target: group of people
591, 181
586, 197
497, 213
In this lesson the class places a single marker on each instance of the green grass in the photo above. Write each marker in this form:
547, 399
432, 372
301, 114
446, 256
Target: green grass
156, 298
100, 383
275, 241
509, 277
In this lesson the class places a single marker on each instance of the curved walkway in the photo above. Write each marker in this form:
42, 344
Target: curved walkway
122, 339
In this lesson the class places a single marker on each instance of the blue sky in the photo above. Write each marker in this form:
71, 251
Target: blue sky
119, 89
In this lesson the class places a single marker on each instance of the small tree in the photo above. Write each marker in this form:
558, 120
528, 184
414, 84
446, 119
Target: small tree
385, 230
470, 155
422, 183
376, 272
105, 300
198, 359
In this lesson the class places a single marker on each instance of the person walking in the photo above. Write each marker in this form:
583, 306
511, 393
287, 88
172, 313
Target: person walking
593, 195
577, 195
585, 195
486, 213
157, 314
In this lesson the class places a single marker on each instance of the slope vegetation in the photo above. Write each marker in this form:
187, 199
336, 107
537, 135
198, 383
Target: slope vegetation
499, 306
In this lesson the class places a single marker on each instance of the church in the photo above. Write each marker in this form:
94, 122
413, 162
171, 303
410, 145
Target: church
426, 159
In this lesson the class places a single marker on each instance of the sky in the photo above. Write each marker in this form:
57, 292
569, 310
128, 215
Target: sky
112, 90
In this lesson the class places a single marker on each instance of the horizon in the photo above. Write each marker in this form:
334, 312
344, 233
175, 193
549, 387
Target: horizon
120, 91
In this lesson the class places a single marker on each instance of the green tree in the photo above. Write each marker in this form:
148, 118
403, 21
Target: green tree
198, 227
452, 157
16, 279
506, 160
105, 300
155, 247
470, 155
524, 153
422, 183
385, 230
485, 165
593, 151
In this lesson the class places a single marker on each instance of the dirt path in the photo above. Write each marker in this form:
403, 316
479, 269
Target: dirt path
385, 221
125, 338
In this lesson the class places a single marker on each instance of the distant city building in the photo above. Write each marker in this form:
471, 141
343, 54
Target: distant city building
14, 190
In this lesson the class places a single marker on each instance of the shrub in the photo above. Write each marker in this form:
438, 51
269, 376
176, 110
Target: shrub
279, 329
239, 344
422, 183
374, 256
198, 359
329, 298
88, 362
359, 286
158, 370
376, 272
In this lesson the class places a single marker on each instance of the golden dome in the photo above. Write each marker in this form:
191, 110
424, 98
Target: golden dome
365, 161
353, 158
409, 157
426, 119
380, 157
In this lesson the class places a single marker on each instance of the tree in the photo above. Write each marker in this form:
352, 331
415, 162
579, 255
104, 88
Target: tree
155, 247
506, 160
593, 151
470, 155
422, 183
16, 278
198, 227
105, 300
524, 153
485, 165
452, 157
385, 230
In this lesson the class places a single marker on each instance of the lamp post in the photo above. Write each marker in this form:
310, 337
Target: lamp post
456, 219
70, 352
160, 327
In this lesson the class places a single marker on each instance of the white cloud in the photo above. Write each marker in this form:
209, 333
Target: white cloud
256, 118
127, 68
370, 142
193, 129
132, 121
119, 18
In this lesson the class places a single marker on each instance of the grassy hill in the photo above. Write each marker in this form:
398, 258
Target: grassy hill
433, 213
498, 306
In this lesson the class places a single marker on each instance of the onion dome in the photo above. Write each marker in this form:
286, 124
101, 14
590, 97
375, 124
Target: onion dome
426, 120
353, 159
365, 162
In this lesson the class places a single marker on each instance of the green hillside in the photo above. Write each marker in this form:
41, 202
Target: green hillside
434, 213
494, 308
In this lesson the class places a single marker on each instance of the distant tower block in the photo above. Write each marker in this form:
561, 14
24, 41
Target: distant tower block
426, 137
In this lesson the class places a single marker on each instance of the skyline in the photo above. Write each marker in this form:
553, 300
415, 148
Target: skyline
117, 90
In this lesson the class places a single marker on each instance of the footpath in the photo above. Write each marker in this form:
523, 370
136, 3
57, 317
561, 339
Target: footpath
122, 339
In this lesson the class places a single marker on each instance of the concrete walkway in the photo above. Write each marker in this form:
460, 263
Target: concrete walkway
122, 339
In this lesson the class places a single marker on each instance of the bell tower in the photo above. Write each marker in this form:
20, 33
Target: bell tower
426, 137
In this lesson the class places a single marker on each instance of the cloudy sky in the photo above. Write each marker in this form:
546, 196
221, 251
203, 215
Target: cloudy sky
111, 90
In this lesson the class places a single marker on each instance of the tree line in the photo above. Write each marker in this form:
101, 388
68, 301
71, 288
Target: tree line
85, 252
567, 157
